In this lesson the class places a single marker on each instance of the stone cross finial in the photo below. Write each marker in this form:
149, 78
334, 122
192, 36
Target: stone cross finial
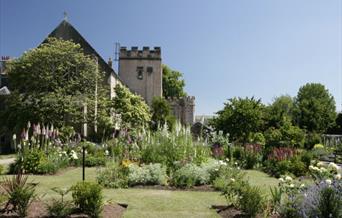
65, 16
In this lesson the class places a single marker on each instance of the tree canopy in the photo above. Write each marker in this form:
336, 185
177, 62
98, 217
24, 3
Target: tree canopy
49, 84
173, 83
315, 108
282, 107
240, 117
161, 113
131, 108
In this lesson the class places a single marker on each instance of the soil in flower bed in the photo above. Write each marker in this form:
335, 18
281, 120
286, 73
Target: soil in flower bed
201, 188
231, 212
38, 210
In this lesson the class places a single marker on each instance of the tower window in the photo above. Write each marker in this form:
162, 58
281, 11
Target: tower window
149, 69
140, 73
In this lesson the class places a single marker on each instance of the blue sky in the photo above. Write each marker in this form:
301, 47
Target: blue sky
226, 48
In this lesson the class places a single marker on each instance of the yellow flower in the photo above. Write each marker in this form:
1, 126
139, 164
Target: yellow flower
126, 162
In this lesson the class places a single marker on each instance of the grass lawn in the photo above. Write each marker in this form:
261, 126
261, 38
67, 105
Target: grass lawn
148, 202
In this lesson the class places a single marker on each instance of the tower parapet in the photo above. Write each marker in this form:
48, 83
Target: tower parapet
145, 53
183, 108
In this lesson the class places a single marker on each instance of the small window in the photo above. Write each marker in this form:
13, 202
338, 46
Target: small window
140, 73
149, 69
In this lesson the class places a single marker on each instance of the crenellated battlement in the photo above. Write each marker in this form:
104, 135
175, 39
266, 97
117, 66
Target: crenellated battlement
135, 53
187, 100
183, 108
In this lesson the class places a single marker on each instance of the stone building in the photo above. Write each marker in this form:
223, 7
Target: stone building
141, 71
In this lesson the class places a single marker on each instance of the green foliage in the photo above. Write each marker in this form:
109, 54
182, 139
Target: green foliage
227, 179
240, 118
60, 77
173, 83
88, 198
257, 138
238, 192
59, 207
329, 204
315, 108
172, 147
151, 174
161, 113
294, 166
37, 161
113, 176
190, 175
250, 160
282, 107
92, 161
276, 196
312, 139
251, 200
285, 135
19, 194
131, 108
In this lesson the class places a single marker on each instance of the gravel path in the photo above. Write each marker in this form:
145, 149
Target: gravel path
7, 161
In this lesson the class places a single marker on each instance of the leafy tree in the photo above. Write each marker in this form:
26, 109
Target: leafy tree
282, 106
161, 113
131, 108
315, 108
173, 83
49, 85
240, 118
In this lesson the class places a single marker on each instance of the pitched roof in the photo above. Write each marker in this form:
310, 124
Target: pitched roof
66, 31
4, 91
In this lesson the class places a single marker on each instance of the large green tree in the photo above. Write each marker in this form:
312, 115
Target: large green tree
240, 117
132, 110
161, 113
50, 84
281, 108
173, 83
315, 108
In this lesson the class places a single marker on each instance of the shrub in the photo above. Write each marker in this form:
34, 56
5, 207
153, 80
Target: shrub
190, 175
306, 158
297, 167
36, 161
237, 153
312, 139
322, 200
92, 161
113, 176
151, 174
251, 200
227, 175
59, 207
251, 159
19, 194
213, 167
88, 198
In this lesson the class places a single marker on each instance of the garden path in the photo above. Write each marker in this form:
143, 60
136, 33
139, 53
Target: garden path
7, 161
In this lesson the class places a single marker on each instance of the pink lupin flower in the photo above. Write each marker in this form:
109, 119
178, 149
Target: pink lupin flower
23, 134
43, 130
34, 127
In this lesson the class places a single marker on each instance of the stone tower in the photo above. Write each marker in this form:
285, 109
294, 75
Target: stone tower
141, 71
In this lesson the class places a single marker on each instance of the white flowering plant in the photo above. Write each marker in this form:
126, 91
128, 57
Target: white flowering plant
323, 171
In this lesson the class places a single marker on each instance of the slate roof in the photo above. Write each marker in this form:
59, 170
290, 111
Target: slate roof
66, 31
4, 91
